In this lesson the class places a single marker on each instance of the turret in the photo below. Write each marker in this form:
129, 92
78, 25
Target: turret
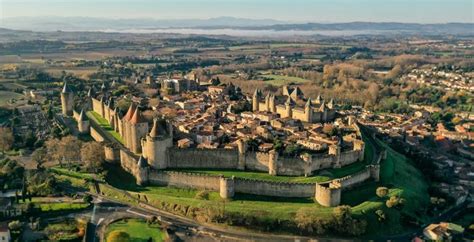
273, 162
155, 146
141, 174
83, 123
324, 113
67, 100
308, 111
267, 102
331, 104
328, 194
335, 150
226, 187
255, 101
288, 108
126, 125
139, 129
318, 100
242, 148
272, 104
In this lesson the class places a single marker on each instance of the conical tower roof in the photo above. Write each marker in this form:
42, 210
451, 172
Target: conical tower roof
289, 101
130, 112
322, 107
89, 93
137, 117
331, 103
255, 94
154, 130
66, 88
308, 103
82, 116
319, 99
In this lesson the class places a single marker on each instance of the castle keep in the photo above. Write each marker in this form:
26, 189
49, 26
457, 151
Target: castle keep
293, 104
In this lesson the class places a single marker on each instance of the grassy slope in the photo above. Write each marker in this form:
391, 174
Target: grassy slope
95, 117
138, 230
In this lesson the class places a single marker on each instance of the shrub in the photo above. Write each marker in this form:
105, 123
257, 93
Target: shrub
381, 191
118, 236
202, 195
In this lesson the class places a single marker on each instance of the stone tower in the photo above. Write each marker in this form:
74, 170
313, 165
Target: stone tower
288, 108
155, 146
67, 100
83, 123
242, 148
255, 100
308, 111
142, 170
126, 134
138, 130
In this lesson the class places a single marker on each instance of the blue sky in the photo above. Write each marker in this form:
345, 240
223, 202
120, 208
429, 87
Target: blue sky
420, 11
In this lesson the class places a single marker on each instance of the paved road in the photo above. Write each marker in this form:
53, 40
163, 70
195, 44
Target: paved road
186, 228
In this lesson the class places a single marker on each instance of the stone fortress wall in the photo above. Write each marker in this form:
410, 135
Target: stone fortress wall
327, 193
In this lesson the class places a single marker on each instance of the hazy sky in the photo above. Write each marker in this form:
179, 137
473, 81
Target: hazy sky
421, 11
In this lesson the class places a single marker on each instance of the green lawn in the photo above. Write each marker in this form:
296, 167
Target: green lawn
75, 174
279, 80
102, 122
138, 230
50, 206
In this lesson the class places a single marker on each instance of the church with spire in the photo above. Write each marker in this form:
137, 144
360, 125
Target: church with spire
293, 104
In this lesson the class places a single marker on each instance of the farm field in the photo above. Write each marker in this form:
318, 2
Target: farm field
279, 80
6, 96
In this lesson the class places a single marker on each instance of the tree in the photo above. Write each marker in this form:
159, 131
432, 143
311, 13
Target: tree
118, 236
70, 148
381, 215
381, 191
92, 154
394, 201
87, 198
6, 139
39, 156
14, 225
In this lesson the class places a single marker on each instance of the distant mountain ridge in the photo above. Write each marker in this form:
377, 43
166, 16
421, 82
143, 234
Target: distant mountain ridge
123, 25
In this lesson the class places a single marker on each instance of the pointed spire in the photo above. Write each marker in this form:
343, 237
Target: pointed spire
319, 99
89, 93
308, 103
255, 94
289, 101
137, 117
111, 102
82, 117
154, 131
130, 112
322, 108
66, 88
142, 162
103, 86
331, 104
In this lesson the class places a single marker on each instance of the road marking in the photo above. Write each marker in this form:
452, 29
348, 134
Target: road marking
137, 213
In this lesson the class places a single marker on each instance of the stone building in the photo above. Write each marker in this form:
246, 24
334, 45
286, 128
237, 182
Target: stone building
67, 100
293, 104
